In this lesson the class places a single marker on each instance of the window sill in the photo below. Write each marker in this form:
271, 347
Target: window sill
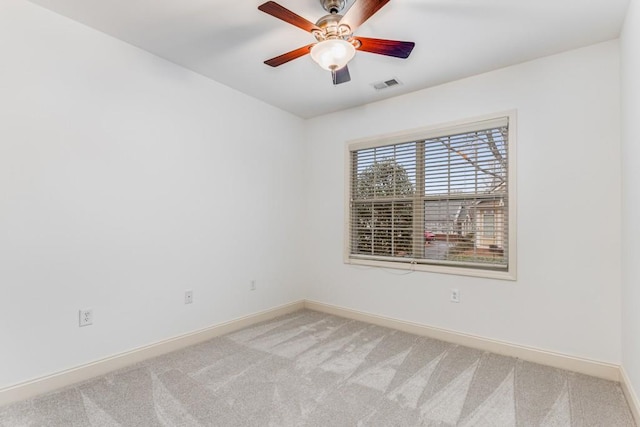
432, 268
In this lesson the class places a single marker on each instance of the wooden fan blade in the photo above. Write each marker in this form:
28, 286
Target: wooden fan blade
289, 56
394, 48
361, 11
280, 12
341, 76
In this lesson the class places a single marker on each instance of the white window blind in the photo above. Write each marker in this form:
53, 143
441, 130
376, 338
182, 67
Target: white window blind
442, 199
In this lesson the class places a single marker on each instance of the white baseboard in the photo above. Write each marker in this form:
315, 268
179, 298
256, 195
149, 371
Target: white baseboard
100, 367
85, 372
543, 357
630, 394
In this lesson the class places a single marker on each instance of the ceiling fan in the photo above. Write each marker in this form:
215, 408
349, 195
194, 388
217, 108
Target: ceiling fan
336, 44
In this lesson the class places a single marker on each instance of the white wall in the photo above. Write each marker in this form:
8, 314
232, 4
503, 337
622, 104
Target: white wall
630, 67
124, 181
567, 295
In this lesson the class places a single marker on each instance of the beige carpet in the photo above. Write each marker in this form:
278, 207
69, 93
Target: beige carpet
313, 369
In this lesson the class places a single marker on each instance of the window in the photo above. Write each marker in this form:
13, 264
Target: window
437, 199
488, 225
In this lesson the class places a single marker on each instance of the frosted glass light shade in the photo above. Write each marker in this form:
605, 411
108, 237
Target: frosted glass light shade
332, 54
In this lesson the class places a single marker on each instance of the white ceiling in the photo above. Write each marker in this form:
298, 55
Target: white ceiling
229, 40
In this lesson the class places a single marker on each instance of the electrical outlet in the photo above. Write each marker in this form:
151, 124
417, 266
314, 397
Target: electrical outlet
455, 295
188, 297
252, 286
85, 317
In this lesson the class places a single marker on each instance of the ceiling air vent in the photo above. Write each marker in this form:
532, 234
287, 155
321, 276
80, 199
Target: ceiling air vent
386, 84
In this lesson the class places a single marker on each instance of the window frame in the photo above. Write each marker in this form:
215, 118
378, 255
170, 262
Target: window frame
424, 133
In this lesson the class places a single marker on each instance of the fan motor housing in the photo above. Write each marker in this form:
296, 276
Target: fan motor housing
330, 28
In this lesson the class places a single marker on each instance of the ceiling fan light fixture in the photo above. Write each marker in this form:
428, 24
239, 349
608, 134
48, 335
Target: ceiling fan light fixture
333, 54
